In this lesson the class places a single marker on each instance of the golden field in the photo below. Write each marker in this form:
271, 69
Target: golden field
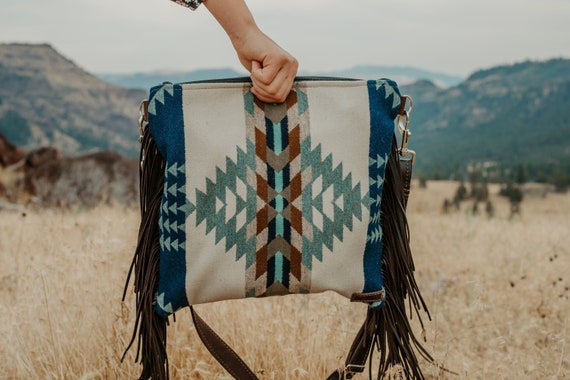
498, 292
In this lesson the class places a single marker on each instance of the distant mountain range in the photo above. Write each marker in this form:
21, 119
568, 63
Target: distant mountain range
146, 80
498, 119
401, 74
46, 99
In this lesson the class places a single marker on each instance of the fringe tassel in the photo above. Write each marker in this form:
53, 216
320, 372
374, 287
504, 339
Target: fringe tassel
387, 328
393, 334
150, 328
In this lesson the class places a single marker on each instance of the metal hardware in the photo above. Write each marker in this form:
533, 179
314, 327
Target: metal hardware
403, 123
143, 118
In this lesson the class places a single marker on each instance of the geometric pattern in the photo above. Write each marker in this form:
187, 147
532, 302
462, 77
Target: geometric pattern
281, 203
381, 92
171, 232
165, 121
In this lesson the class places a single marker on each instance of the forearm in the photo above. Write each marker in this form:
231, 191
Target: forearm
234, 17
272, 69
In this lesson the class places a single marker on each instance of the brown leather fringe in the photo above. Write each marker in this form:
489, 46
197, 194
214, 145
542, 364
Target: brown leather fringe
393, 334
150, 328
388, 327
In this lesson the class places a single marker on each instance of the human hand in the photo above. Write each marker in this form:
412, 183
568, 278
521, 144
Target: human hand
272, 69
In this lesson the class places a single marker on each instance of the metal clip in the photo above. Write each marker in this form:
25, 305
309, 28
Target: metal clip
403, 123
143, 118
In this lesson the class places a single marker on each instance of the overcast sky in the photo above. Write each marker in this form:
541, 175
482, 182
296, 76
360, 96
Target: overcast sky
451, 36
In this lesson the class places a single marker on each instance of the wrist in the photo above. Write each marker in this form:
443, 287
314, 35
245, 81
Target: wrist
235, 18
248, 32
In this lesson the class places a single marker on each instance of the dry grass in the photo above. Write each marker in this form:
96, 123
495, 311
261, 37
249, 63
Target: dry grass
497, 289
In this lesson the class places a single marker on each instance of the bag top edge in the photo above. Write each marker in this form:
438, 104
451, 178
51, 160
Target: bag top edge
237, 82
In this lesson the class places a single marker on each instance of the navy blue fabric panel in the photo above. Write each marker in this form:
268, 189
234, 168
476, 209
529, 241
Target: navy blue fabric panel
384, 100
167, 128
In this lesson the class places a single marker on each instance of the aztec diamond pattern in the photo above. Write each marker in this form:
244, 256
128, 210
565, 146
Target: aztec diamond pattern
281, 203
278, 203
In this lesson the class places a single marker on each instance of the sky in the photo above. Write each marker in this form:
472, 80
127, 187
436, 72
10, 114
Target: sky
451, 36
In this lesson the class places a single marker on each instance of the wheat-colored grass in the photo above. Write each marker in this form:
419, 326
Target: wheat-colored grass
497, 290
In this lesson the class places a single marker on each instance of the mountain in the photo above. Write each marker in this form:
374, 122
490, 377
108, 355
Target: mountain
502, 118
146, 80
46, 99
401, 74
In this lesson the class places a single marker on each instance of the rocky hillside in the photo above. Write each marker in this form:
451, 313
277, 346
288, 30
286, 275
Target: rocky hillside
502, 118
45, 177
46, 99
505, 119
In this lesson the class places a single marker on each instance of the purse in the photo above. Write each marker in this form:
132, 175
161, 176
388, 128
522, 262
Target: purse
241, 198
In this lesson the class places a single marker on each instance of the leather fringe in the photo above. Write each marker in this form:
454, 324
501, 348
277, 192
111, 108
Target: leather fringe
150, 328
393, 335
386, 328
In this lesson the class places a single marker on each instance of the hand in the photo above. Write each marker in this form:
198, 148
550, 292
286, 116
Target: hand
272, 69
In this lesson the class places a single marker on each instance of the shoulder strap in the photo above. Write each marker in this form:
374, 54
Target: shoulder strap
221, 351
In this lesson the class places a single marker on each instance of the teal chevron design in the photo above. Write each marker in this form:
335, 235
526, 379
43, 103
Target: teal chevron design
166, 307
332, 207
224, 208
279, 201
390, 91
172, 229
159, 97
375, 236
329, 209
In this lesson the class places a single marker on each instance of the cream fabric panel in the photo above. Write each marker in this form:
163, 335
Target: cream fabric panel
340, 122
218, 269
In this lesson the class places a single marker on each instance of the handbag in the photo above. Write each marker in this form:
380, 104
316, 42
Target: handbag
241, 198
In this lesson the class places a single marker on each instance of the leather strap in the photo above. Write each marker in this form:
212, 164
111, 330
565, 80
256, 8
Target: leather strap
406, 166
221, 351
368, 297
236, 367
358, 353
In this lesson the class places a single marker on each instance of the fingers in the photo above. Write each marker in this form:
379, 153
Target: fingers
276, 92
272, 80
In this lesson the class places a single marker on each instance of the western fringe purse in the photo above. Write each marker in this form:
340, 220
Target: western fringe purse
241, 198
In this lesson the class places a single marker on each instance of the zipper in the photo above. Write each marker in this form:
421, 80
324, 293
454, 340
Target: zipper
248, 80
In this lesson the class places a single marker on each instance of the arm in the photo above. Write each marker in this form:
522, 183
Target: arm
272, 69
